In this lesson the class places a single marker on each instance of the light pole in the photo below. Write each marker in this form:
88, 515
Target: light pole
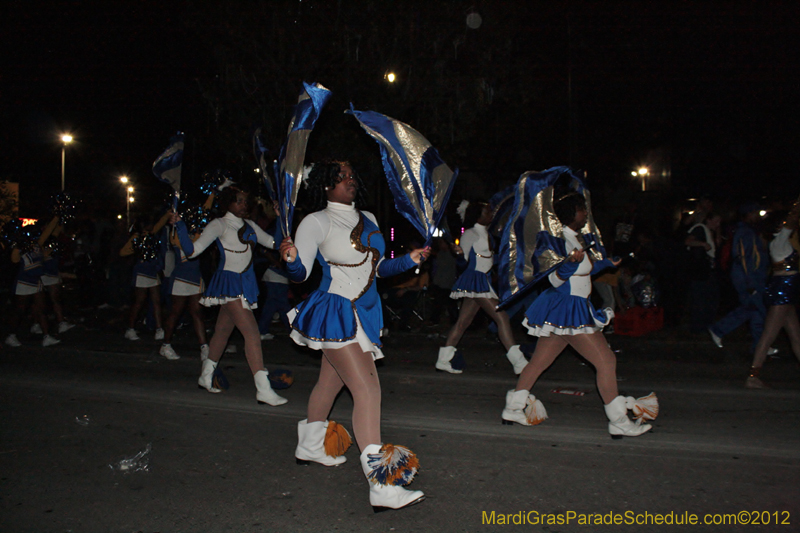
65, 139
643, 173
128, 199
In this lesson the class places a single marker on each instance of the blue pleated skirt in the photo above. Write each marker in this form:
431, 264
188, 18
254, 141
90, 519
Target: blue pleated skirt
326, 320
564, 314
473, 284
227, 286
783, 290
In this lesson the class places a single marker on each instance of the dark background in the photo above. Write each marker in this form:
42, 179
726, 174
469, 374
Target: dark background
703, 93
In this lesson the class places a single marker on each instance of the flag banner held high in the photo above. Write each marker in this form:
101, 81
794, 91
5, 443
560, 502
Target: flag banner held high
418, 177
289, 166
167, 167
260, 151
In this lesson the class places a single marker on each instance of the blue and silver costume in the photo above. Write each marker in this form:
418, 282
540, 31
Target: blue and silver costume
235, 278
29, 275
565, 308
475, 281
784, 285
346, 308
186, 277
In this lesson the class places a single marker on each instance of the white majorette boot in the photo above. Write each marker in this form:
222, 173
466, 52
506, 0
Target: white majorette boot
207, 376
619, 425
445, 361
321, 442
523, 408
517, 359
265, 393
387, 468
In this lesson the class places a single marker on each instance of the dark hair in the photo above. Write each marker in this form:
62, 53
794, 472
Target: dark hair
228, 196
473, 213
567, 205
324, 177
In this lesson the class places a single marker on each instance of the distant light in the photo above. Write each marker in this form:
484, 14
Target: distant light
391, 234
690, 212
392, 257
644, 171
123, 179
130, 189
256, 170
691, 199
390, 77
437, 233
119, 217
634, 174
762, 213
28, 221
66, 138
474, 21
458, 241
131, 199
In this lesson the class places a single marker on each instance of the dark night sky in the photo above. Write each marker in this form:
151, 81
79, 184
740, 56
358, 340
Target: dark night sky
712, 84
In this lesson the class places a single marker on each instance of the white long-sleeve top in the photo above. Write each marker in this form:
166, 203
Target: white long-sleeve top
477, 239
779, 247
238, 254
328, 232
580, 283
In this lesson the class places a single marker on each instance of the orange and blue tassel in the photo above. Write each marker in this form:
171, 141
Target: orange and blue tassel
393, 465
281, 378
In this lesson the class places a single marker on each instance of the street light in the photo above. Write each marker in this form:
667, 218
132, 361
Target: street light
643, 172
128, 199
65, 139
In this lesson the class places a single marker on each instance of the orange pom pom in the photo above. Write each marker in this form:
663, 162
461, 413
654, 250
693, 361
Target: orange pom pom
337, 439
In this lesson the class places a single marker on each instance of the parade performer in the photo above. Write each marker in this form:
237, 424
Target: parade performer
562, 314
187, 286
782, 296
28, 292
149, 253
51, 276
343, 318
474, 288
233, 286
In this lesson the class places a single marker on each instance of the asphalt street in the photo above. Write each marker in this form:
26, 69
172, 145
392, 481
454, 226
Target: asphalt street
73, 413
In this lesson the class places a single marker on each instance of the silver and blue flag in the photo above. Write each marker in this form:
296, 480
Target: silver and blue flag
167, 167
418, 177
289, 166
533, 223
261, 151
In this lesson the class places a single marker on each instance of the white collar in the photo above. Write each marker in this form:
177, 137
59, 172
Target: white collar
230, 216
336, 206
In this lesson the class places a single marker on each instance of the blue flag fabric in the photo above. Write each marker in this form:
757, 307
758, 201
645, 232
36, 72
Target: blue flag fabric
261, 151
167, 167
500, 204
289, 166
532, 223
418, 177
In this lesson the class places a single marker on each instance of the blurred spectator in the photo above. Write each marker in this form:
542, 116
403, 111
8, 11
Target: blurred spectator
443, 264
702, 241
749, 267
